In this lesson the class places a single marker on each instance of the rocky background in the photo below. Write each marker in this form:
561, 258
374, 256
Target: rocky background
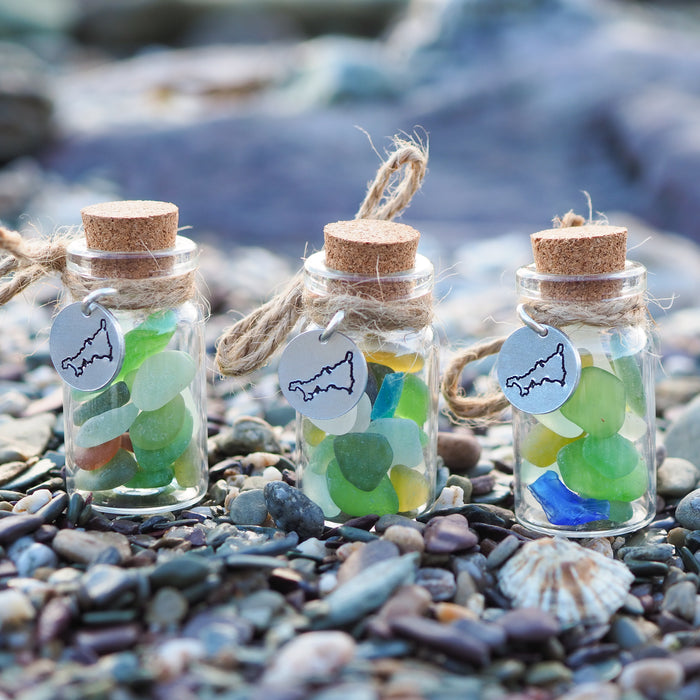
263, 120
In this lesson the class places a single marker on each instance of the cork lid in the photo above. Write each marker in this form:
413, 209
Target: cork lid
130, 226
370, 246
591, 249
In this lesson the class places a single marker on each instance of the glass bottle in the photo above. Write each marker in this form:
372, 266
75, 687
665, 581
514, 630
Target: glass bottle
138, 444
380, 456
587, 468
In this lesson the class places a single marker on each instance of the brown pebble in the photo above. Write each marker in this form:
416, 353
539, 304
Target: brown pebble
651, 676
529, 625
407, 539
449, 533
407, 600
460, 450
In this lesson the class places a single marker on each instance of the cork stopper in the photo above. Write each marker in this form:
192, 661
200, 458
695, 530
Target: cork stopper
130, 226
138, 227
590, 249
370, 246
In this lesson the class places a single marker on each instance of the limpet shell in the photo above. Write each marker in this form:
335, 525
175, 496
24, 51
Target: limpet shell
573, 583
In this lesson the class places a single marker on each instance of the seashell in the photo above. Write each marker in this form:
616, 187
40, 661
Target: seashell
450, 497
571, 582
33, 502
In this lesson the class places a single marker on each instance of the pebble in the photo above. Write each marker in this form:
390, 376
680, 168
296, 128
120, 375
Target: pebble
529, 624
651, 676
407, 539
409, 600
460, 450
365, 556
84, 547
449, 533
248, 508
292, 510
676, 477
680, 600
33, 502
308, 657
688, 511
440, 583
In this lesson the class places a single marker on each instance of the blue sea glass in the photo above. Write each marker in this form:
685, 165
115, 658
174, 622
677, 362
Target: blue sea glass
389, 395
564, 507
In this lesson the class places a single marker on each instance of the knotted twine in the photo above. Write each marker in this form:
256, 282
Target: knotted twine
485, 408
30, 260
248, 344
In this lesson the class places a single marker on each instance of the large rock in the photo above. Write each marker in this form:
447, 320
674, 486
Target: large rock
682, 438
23, 438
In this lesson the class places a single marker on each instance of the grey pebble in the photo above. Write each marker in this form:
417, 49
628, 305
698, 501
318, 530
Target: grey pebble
366, 555
167, 608
293, 510
688, 511
546, 673
35, 556
649, 552
627, 633
15, 526
503, 551
445, 534
249, 508
181, 571
529, 624
104, 583
680, 600
386, 521
492, 634
440, 583
676, 477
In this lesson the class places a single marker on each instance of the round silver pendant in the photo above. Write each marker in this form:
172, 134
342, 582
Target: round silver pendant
537, 372
87, 349
322, 379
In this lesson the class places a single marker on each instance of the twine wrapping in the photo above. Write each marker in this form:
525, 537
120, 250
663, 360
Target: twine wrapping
248, 344
31, 260
487, 407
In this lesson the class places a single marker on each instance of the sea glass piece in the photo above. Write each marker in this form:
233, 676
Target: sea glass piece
153, 430
364, 415
634, 427
355, 502
161, 378
150, 478
114, 396
91, 458
598, 404
388, 397
540, 446
188, 466
414, 402
116, 472
146, 339
403, 436
621, 511
311, 434
322, 455
578, 474
556, 422
627, 369
403, 362
363, 458
614, 456
316, 488
375, 376
411, 487
156, 459
337, 426
562, 506
106, 426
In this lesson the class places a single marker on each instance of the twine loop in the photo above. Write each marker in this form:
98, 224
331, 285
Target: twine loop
248, 344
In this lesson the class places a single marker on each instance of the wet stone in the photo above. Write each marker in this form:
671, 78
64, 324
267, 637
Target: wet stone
680, 600
249, 508
676, 477
366, 555
688, 511
449, 533
529, 624
292, 510
440, 583
83, 547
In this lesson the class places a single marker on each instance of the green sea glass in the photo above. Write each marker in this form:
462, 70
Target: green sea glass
322, 454
315, 486
153, 430
627, 369
114, 396
106, 426
164, 457
598, 404
414, 402
146, 339
161, 378
580, 476
614, 456
363, 458
116, 472
355, 502
150, 478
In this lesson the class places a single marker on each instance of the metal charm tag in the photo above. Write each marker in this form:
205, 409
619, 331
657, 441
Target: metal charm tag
322, 378
86, 344
538, 370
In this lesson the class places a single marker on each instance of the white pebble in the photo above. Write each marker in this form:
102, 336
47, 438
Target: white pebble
313, 547
15, 608
450, 497
313, 655
272, 474
174, 656
593, 691
33, 502
327, 582
651, 676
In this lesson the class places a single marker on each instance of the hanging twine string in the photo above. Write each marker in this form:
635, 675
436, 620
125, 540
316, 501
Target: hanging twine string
31, 260
248, 344
486, 408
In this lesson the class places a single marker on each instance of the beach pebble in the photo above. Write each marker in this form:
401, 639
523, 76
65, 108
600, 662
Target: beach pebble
529, 624
460, 450
310, 656
448, 533
676, 477
15, 609
688, 511
248, 508
652, 677
33, 502
293, 510
407, 539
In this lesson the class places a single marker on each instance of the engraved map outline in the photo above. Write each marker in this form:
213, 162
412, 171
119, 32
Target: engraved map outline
538, 374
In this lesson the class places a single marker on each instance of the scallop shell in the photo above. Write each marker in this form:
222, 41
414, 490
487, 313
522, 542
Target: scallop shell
573, 583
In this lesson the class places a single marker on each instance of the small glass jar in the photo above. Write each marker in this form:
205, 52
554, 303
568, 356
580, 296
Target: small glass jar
588, 468
379, 457
138, 445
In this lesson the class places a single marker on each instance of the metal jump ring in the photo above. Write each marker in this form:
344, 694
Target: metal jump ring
93, 297
530, 322
332, 327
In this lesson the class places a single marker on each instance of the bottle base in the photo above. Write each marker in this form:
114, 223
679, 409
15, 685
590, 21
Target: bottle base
143, 501
603, 528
